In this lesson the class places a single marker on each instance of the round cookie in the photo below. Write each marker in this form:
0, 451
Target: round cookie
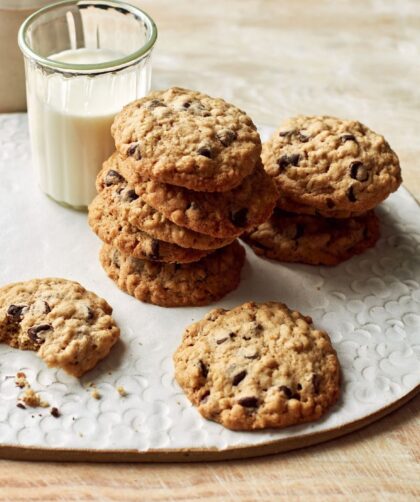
174, 285
115, 192
338, 167
257, 366
314, 240
69, 327
187, 138
222, 215
108, 223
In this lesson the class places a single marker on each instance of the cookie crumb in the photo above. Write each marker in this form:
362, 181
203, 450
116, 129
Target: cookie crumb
121, 391
20, 380
95, 394
55, 412
33, 399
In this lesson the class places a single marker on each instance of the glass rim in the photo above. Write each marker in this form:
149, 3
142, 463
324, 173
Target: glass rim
110, 65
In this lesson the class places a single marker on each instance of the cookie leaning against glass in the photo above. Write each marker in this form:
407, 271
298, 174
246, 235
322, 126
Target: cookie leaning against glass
258, 366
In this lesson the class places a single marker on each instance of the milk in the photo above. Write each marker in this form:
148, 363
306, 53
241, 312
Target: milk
70, 120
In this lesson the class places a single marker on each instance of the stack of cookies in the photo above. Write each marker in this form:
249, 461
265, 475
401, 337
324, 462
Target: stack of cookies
330, 174
185, 181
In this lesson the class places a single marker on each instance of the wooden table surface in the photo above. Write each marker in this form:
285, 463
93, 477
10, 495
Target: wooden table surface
353, 58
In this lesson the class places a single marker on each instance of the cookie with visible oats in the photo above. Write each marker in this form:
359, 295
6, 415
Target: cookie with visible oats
314, 240
187, 138
220, 214
175, 285
111, 226
339, 168
69, 327
258, 366
117, 193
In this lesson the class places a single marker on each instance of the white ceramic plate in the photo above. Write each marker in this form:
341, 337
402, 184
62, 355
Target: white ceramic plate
369, 305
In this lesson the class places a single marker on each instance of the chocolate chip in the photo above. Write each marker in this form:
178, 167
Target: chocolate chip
294, 159
232, 335
55, 412
246, 338
288, 160
248, 402
239, 217
347, 137
299, 231
15, 312
221, 340
226, 136
90, 314
47, 308
205, 396
299, 386
351, 195
155, 103
33, 332
186, 105
177, 266
330, 202
205, 151
21, 405
287, 391
130, 196
112, 178
203, 368
358, 171
154, 252
316, 382
134, 151
238, 377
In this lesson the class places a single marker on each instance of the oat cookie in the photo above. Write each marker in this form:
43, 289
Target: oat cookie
117, 193
110, 226
338, 167
257, 366
189, 139
222, 215
173, 285
314, 240
70, 328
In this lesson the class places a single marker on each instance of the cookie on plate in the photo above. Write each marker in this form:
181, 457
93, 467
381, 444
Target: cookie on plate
220, 214
337, 167
175, 285
187, 138
69, 327
314, 240
258, 366
109, 224
117, 193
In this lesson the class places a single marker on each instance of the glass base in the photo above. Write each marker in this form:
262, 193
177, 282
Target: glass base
67, 205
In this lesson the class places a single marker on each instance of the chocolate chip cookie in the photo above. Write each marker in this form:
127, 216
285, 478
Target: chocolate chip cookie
116, 192
337, 167
314, 240
257, 366
69, 327
175, 285
222, 215
187, 138
109, 224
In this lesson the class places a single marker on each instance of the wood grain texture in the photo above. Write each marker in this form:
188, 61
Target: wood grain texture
276, 58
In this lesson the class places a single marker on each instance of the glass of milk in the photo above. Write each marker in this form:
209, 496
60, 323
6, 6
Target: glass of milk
84, 60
